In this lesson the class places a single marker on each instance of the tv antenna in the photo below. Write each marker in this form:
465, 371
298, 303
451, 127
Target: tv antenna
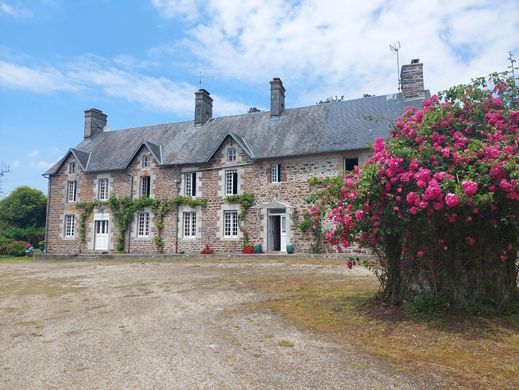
395, 47
512, 62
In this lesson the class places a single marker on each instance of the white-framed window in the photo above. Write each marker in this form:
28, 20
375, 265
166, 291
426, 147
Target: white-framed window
231, 154
145, 186
275, 173
70, 225
190, 184
350, 163
71, 191
146, 161
230, 223
189, 224
231, 182
72, 167
102, 189
143, 224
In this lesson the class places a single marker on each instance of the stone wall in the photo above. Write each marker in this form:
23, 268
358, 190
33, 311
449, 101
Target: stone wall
253, 176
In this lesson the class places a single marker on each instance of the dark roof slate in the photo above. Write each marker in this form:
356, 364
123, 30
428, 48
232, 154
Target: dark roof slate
329, 127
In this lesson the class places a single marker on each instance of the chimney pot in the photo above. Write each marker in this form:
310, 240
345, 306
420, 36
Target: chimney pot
203, 107
411, 80
95, 122
277, 97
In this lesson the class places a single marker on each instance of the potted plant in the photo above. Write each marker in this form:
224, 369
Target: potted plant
207, 250
42, 245
290, 249
258, 248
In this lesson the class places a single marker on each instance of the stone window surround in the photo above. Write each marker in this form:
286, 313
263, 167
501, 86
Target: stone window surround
198, 181
96, 185
180, 224
135, 226
62, 219
220, 222
222, 191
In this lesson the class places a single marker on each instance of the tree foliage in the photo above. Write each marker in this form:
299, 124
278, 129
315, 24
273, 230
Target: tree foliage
24, 207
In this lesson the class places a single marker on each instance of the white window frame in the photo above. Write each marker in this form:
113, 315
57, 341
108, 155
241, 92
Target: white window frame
230, 223
275, 173
71, 191
143, 224
71, 167
102, 188
229, 182
69, 225
231, 154
146, 161
190, 221
190, 184
145, 190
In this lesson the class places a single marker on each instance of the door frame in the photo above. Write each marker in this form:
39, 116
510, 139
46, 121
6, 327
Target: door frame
281, 213
99, 218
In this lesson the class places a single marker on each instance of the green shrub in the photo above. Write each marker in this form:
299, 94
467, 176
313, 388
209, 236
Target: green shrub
30, 234
17, 248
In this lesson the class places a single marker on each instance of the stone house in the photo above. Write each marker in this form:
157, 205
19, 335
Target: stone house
270, 154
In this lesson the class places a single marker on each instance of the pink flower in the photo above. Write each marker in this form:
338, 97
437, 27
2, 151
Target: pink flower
419, 253
470, 240
451, 200
359, 214
469, 187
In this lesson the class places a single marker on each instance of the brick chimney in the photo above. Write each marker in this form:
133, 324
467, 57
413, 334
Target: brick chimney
411, 80
203, 107
95, 122
277, 97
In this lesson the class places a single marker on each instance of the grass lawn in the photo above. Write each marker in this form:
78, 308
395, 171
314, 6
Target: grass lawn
468, 352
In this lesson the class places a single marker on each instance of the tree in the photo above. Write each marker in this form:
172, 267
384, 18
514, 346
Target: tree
253, 109
24, 207
331, 99
4, 170
439, 200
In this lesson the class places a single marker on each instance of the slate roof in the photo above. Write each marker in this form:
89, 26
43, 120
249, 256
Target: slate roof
329, 127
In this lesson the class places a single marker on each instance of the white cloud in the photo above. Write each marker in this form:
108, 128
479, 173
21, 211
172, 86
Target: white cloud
327, 47
169, 9
45, 164
54, 150
14, 11
33, 154
157, 93
14, 164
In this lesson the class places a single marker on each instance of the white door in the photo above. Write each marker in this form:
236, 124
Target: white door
283, 230
101, 235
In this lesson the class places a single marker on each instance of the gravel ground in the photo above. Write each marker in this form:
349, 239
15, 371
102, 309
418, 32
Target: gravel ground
171, 325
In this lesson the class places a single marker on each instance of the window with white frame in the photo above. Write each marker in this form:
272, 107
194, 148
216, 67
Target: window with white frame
143, 224
275, 173
190, 184
145, 186
231, 154
71, 191
146, 161
70, 225
350, 163
231, 182
189, 224
72, 167
102, 189
230, 227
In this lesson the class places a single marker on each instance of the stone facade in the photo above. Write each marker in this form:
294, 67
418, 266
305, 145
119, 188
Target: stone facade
286, 198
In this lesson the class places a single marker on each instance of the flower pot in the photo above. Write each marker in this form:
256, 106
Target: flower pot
290, 249
258, 248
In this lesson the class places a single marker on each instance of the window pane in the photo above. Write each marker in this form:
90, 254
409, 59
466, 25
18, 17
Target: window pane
350, 163
187, 189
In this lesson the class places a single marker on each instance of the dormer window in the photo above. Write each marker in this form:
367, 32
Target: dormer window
72, 167
146, 160
231, 154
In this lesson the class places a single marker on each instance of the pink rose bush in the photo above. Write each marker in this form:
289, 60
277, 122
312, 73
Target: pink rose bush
439, 200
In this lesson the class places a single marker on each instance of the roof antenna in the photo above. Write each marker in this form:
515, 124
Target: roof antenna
511, 66
395, 47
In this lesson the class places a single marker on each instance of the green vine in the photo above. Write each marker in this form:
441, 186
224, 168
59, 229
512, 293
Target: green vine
124, 208
246, 201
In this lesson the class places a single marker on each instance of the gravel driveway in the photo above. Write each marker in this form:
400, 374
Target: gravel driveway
167, 324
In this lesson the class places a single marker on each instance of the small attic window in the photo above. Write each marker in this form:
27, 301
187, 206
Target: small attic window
146, 161
72, 167
231, 154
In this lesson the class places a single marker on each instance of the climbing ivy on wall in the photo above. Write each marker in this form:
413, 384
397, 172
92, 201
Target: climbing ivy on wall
246, 201
124, 208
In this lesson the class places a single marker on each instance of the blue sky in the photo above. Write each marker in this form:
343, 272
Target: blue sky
139, 60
